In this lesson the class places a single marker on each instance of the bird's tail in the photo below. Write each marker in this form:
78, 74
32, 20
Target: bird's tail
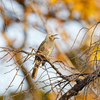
35, 70
34, 73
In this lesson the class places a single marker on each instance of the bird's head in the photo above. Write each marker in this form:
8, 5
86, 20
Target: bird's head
51, 37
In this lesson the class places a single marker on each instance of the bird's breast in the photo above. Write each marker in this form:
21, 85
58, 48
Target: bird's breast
48, 49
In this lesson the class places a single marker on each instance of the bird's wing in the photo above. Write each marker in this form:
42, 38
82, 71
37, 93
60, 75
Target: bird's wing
41, 47
46, 48
40, 50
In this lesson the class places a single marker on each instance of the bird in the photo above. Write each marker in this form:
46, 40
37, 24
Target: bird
46, 49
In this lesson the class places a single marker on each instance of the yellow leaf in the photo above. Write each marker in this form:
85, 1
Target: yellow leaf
53, 1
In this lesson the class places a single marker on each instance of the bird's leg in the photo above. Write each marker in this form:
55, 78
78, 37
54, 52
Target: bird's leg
43, 62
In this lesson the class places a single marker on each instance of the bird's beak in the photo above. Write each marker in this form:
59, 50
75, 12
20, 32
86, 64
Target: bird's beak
55, 37
55, 34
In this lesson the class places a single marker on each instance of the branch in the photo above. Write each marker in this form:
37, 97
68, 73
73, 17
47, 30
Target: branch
80, 85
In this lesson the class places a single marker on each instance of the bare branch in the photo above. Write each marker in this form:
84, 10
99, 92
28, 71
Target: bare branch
80, 85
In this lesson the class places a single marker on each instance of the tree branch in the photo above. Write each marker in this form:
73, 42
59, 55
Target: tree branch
80, 85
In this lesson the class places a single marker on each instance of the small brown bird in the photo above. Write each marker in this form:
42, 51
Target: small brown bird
46, 48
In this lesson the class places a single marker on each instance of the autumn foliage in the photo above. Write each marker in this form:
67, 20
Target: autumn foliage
76, 58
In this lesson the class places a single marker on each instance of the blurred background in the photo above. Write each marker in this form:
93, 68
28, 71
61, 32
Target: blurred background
25, 24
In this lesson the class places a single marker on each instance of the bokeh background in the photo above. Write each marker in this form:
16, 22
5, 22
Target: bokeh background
25, 23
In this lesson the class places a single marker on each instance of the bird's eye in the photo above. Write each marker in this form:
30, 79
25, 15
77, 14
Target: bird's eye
50, 37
